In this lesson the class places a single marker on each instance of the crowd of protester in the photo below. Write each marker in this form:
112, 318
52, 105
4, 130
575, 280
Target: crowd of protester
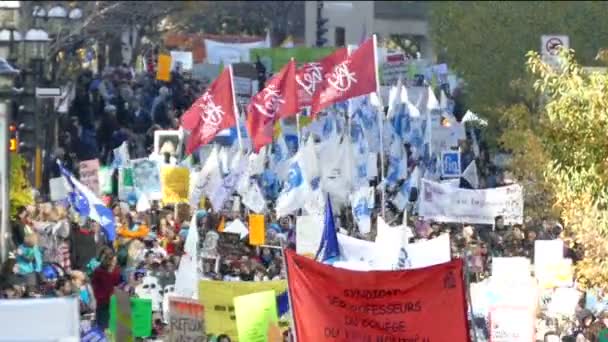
56, 253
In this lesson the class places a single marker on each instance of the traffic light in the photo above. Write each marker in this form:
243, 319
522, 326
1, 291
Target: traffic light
26, 133
321, 25
13, 142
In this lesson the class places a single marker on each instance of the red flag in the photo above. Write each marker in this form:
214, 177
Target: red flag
212, 112
310, 75
278, 100
333, 304
354, 76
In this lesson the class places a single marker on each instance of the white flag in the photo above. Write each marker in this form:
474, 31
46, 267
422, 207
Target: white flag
210, 171
186, 278
297, 187
362, 203
470, 175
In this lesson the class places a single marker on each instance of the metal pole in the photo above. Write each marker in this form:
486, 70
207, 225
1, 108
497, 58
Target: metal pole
292, 321
4, 179
381, 126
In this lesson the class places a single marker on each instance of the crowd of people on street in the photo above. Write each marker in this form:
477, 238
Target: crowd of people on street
56, 253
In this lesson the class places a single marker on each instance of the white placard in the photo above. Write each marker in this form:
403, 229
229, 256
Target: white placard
444, 203
230, 53
182, 57
56, 319
309, 230
58, 189
548, 251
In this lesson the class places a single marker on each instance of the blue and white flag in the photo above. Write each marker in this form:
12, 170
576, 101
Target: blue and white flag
87, 204
360, 153
397, 163
279, 156
121, 156
362, 203
296, 188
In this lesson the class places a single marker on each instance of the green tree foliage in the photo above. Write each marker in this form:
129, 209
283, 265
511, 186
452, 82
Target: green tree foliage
20, 188
486, 41
560, 153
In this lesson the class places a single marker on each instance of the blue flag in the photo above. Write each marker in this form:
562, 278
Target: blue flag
87, 204
283, 303
329, 250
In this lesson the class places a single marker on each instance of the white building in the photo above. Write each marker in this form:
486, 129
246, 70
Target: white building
349, 21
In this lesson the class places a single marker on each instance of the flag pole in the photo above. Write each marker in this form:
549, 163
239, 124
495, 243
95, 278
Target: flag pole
292, 324
236, 109
381, 127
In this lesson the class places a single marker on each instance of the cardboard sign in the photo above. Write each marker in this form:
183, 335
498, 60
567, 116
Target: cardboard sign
254, 313
218, 297
186, 320
163, 72
175, 182
511, 324
89, 174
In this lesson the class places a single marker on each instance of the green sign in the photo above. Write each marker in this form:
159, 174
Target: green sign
105, 180
604, 335
141, 316
254, 313
278, 57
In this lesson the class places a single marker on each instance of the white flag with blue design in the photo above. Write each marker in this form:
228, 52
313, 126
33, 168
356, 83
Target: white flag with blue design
362, 203
279, 157
121, 156
88, 205
296, 188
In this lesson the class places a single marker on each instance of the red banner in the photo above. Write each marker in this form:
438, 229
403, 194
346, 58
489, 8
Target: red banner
310, 75
333, 304
211, 113
279, 99
352, 77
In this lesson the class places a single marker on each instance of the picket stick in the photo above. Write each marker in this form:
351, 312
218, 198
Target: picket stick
236, 109
381, 127
292, 324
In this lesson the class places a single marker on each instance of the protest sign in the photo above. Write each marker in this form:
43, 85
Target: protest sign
563, 302
309, 230
230, 53
548, 251
257, 230
393, 68
427, 253
163, 68
105, 180
511, 324
89, 174
254, 312
171, 138
230, 244
511, 268
181, 58
279, 57
140, 313
376, 306
443, 203
186, 320
125, 183
174, 181
124, 323
450, 164
146, 177
218, 296
58, 189
559, 273
55, 319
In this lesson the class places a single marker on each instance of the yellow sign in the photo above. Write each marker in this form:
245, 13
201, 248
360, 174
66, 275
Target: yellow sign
257, 231
217, 297
555, 274
163, 68
254, 313
174, 182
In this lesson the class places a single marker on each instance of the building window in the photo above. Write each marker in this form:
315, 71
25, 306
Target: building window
340, 37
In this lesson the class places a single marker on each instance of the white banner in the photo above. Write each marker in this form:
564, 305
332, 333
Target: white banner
56, 319
444, 203
230, 53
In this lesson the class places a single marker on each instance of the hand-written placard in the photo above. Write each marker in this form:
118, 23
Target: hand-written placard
254, 312
187, 320
89, 174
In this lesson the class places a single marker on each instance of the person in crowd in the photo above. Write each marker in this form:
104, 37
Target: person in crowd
29, 260
82, 245
104, 279
160, 109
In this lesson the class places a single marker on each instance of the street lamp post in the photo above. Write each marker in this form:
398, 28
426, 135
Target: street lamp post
7, 73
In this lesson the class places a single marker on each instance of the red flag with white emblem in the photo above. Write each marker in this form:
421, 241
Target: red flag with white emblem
214, 111
310, 75
278, 100
352, 77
